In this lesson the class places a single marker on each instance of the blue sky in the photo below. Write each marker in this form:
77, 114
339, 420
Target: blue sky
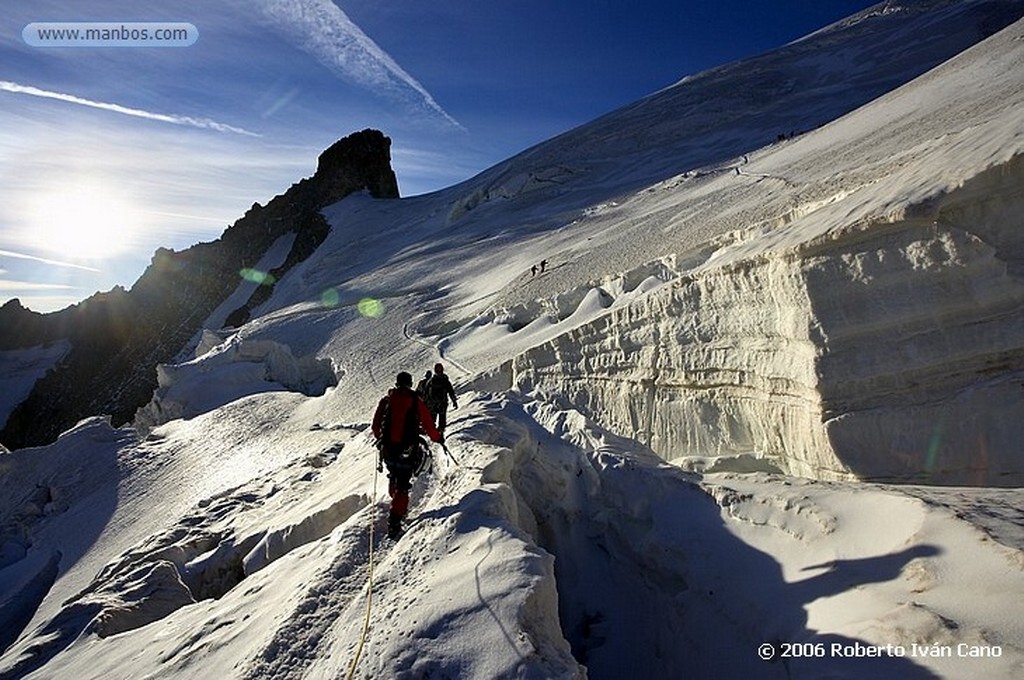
108, 153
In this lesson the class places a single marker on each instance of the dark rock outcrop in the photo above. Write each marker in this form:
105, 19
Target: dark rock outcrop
119, 337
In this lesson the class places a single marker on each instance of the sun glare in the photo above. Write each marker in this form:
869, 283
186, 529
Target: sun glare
84, 222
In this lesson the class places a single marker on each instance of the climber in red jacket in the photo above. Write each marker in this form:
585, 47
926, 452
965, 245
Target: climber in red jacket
397, 423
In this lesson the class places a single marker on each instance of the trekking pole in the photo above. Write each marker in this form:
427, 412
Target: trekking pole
444, 447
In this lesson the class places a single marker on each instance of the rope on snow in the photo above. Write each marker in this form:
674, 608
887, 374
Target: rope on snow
369, 589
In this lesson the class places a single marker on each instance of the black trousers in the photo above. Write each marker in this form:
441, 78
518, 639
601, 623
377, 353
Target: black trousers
440, 418
399, 484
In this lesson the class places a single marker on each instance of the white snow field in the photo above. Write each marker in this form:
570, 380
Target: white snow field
759, 416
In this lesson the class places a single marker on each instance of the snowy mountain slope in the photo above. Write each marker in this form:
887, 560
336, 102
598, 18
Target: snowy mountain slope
891, 305
910, 198
237, 542
708, 121
704, 570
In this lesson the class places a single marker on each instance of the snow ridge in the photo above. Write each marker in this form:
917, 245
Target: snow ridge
822, 311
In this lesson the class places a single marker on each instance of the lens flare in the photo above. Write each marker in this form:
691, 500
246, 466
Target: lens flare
370, 308
931, 463
256, 276
329, 298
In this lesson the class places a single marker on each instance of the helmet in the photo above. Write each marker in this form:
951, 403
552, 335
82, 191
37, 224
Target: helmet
438, 368
403, 379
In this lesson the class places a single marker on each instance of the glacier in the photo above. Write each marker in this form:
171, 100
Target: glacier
865, 324
766, 392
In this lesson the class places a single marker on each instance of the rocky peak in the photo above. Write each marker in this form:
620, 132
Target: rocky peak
361, 158
119, 337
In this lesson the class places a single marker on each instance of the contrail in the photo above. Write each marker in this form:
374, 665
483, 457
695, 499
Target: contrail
25, 285
204, 123
58, 263
323, 30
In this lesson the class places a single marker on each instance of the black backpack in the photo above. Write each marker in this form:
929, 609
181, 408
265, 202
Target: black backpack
437, 392
413, 450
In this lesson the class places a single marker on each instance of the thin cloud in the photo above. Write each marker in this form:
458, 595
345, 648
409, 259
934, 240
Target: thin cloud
26, 285
203, 123
56, 263
324, 31
194, 218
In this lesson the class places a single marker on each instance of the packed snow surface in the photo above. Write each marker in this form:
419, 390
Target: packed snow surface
548, 546
758, 414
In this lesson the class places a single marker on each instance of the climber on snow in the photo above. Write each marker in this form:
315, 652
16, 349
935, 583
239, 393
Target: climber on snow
439, 389
421, 386
397, 423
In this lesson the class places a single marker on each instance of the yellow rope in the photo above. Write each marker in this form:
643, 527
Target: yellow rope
369, 589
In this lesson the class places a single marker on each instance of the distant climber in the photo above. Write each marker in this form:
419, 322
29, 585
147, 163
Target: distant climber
397, 423
533, 270
543, 265
421, 386
439, 390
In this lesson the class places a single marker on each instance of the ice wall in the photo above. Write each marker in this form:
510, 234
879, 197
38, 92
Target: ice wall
222, 373
892, 349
